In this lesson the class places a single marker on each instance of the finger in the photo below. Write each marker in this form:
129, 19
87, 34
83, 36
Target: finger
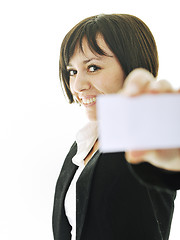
136, 82
168, 159
135, 156
167, 154
161, 86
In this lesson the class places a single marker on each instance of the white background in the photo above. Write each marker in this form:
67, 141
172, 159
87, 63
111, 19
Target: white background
37, 126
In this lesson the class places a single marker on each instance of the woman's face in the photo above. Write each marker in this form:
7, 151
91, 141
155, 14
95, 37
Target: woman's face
92, 74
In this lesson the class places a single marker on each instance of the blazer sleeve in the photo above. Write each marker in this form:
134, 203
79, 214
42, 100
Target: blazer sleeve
158, 178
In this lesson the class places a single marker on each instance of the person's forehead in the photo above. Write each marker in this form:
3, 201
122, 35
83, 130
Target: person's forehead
87, 54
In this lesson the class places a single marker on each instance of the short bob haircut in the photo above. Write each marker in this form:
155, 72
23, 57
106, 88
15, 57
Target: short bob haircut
127, 36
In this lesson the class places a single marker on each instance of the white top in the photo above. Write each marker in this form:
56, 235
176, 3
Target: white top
85, 139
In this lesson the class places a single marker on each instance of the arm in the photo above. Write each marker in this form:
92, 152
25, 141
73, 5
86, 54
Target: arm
160, 167
155, 177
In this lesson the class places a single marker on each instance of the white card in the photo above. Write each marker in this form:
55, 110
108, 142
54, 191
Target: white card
138, 123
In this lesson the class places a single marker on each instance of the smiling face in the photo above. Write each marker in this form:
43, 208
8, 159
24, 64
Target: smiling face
92, 74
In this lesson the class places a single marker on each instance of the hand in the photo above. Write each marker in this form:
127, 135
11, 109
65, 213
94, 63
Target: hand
138, 82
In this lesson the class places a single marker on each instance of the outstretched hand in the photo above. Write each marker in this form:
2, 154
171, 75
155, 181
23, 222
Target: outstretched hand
138, 82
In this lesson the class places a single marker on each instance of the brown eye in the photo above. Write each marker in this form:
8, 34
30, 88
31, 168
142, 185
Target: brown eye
72, 72
93, 68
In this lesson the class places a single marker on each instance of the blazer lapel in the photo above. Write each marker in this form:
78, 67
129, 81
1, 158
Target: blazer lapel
82, 193
61, 227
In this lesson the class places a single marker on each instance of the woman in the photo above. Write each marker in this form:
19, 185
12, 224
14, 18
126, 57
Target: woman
101, 196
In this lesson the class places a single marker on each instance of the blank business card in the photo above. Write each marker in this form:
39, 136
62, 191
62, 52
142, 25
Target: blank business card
138, 123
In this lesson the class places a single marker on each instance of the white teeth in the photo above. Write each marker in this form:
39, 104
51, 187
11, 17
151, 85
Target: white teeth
88, 101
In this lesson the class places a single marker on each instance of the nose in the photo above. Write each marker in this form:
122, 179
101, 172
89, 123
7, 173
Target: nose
80, 83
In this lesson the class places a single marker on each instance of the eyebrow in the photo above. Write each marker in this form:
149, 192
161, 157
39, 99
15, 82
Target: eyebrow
88, 60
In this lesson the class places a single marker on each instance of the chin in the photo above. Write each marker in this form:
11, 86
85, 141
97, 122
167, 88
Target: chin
92, 119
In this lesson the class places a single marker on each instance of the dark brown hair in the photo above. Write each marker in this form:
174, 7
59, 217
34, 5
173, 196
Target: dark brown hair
127, 36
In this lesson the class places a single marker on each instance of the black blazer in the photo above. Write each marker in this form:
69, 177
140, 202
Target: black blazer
112, 204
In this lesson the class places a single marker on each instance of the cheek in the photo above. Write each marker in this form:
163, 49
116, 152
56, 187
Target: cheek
111, 84
71, 86
112, 80
118, 81
101, 85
